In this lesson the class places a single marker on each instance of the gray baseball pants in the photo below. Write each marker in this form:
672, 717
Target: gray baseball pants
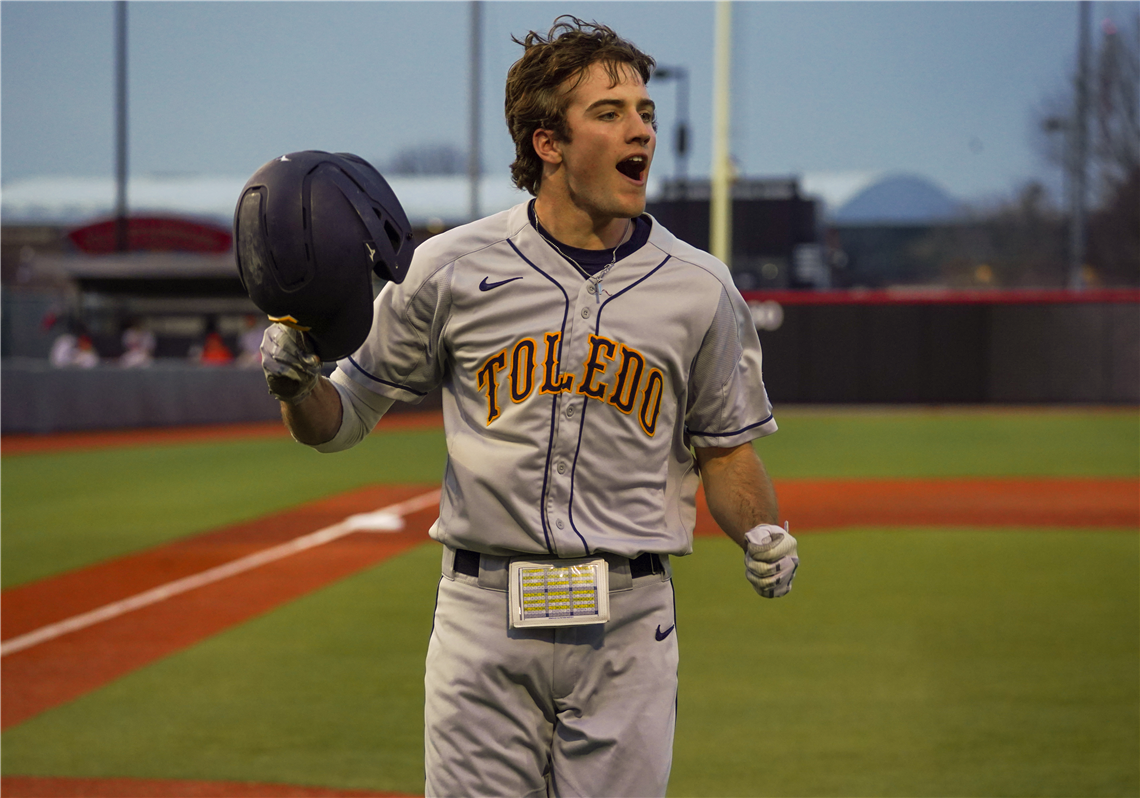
569, 711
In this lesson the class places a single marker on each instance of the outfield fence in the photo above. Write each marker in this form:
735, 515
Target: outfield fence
820, 347
950, 347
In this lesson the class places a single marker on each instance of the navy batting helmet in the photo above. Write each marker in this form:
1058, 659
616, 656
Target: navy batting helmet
310, 229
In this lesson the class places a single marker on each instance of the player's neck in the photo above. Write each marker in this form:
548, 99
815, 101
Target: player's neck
576, 228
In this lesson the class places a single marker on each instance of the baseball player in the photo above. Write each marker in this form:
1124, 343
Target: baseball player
594, 370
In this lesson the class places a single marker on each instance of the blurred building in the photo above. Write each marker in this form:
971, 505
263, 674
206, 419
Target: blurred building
777, 233
876, 226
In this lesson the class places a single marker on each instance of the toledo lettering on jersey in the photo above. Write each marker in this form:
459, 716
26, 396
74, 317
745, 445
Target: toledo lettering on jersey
634, 387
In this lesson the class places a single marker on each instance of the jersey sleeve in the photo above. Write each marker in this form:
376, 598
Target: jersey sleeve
727, 403
360, 411
402, 357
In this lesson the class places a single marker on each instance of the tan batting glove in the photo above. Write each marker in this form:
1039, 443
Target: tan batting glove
770, 559
291, 366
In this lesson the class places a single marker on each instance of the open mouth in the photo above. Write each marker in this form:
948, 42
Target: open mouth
634, 166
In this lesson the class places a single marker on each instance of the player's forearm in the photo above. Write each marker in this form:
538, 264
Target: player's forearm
738, 490
316, 419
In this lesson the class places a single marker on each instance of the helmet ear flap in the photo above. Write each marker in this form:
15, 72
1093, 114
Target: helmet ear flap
250, 243
310, 230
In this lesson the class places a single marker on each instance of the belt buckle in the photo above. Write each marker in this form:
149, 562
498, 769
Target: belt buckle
559, 592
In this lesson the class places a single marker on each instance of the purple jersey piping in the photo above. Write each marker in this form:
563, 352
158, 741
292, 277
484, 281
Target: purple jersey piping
585, 406
553, 401
374, 378
734, 432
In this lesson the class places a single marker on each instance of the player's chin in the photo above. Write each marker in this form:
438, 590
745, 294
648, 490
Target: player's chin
630, 202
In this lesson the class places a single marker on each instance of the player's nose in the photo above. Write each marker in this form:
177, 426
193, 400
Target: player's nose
641, 132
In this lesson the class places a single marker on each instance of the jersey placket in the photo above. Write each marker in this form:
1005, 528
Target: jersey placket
570, 410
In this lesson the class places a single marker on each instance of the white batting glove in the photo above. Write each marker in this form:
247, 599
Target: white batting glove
291, 366
770, 561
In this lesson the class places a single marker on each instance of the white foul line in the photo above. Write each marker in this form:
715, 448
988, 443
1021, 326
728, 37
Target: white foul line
386, 519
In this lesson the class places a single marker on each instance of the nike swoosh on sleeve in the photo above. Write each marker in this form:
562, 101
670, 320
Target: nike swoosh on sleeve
487, 286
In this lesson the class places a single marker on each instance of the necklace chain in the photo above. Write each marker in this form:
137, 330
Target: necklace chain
597, 278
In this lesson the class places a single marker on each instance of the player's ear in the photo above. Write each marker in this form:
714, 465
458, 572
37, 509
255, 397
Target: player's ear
546, 146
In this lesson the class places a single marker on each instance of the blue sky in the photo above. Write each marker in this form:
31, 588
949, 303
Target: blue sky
946, 90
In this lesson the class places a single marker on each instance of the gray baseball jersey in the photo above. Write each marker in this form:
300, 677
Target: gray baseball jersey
568, 410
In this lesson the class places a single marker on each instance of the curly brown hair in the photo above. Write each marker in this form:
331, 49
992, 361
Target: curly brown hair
535, 99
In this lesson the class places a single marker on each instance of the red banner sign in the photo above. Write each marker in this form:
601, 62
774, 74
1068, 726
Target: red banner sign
152, 234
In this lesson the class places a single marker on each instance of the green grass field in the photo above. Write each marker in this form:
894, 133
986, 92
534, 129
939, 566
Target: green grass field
908, 662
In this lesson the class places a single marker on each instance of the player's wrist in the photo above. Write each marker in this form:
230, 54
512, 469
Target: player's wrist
316, 419
764, 538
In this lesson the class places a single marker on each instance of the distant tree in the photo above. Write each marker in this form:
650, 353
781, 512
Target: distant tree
1114, 229
1114, 236
1023, 241
1116, 133
1113, 91
428, 159
1114, 118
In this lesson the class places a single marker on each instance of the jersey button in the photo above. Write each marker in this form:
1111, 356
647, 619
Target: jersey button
590, 288
585, 313
558, 523
570, 411
561, 468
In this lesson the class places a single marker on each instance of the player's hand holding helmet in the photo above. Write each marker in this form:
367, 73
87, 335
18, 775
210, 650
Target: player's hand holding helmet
291, 366
770, 559
311, 228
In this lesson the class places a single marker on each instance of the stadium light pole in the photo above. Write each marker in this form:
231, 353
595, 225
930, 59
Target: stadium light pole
720, 199
680, 75
1079, 132
474, 145
122, 243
